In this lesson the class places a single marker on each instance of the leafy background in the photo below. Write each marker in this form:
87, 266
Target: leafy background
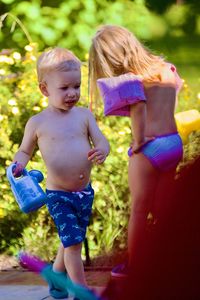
171, 28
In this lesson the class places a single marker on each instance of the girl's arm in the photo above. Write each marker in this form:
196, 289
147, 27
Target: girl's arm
27, 146
101, 146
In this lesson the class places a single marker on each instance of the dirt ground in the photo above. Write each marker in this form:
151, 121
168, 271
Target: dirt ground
97, 274
20, 277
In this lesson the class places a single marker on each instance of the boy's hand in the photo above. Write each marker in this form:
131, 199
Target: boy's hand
97, 156
17, 171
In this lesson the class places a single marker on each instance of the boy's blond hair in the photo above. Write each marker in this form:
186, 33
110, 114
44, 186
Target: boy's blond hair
115, 51
56, 59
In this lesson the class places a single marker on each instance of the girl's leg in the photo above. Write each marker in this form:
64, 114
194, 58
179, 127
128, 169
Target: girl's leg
74, 264
162, 204
143, 180
58, 264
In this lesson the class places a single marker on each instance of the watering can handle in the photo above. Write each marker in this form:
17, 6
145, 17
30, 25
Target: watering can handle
9, 173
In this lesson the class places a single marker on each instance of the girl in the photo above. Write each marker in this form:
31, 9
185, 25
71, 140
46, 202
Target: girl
134, 82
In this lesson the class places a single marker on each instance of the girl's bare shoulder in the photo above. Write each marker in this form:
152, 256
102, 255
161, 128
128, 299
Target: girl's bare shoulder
166, 74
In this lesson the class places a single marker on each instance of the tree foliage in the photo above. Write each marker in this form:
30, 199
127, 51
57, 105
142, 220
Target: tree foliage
71, 24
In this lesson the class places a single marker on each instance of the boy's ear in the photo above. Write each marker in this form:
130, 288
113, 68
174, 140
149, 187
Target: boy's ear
43, 89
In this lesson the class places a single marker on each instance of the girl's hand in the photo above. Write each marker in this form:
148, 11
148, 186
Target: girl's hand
136, 147
97, 156
17, 171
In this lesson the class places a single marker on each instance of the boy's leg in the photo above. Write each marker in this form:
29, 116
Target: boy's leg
55, 275
143, 179
58, 265
74, 264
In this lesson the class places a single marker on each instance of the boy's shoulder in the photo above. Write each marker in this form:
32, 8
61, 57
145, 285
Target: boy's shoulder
83, 110
37, 118
39, 115
84, 113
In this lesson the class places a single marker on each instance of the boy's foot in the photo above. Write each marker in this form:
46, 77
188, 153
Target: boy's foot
120, 271
57, 282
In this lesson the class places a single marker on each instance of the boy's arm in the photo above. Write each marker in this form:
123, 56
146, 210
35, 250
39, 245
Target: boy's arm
27, 146
138, 124
101, 146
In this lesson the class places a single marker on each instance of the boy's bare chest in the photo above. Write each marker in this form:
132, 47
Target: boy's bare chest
62, 129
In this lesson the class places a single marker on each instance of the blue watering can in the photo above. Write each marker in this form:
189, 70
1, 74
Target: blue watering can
26, 189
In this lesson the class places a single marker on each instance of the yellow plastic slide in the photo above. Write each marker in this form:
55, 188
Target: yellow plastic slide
187, 121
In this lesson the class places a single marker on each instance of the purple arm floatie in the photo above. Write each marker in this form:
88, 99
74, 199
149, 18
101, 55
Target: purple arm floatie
120, 92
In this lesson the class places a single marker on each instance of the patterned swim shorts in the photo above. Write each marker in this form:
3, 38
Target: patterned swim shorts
71, 213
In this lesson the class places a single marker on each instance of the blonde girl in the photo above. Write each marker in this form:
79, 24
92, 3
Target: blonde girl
134, 82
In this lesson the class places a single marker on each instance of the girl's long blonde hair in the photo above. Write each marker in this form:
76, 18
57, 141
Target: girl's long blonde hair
115, 51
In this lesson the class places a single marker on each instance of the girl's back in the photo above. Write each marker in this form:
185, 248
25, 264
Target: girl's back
161, 100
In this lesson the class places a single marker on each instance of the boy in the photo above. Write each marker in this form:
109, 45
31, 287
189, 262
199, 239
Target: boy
64, 134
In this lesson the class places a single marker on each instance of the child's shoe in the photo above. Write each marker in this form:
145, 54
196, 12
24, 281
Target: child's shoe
56, 281
120, 271
60, 285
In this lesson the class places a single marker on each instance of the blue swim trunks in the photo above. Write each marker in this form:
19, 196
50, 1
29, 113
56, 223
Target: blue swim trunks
71, 213
165, 152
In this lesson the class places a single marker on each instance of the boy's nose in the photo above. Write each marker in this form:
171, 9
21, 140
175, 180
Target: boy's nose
71, 93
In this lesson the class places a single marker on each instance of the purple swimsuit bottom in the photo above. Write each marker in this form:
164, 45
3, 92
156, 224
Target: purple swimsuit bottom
165, 152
